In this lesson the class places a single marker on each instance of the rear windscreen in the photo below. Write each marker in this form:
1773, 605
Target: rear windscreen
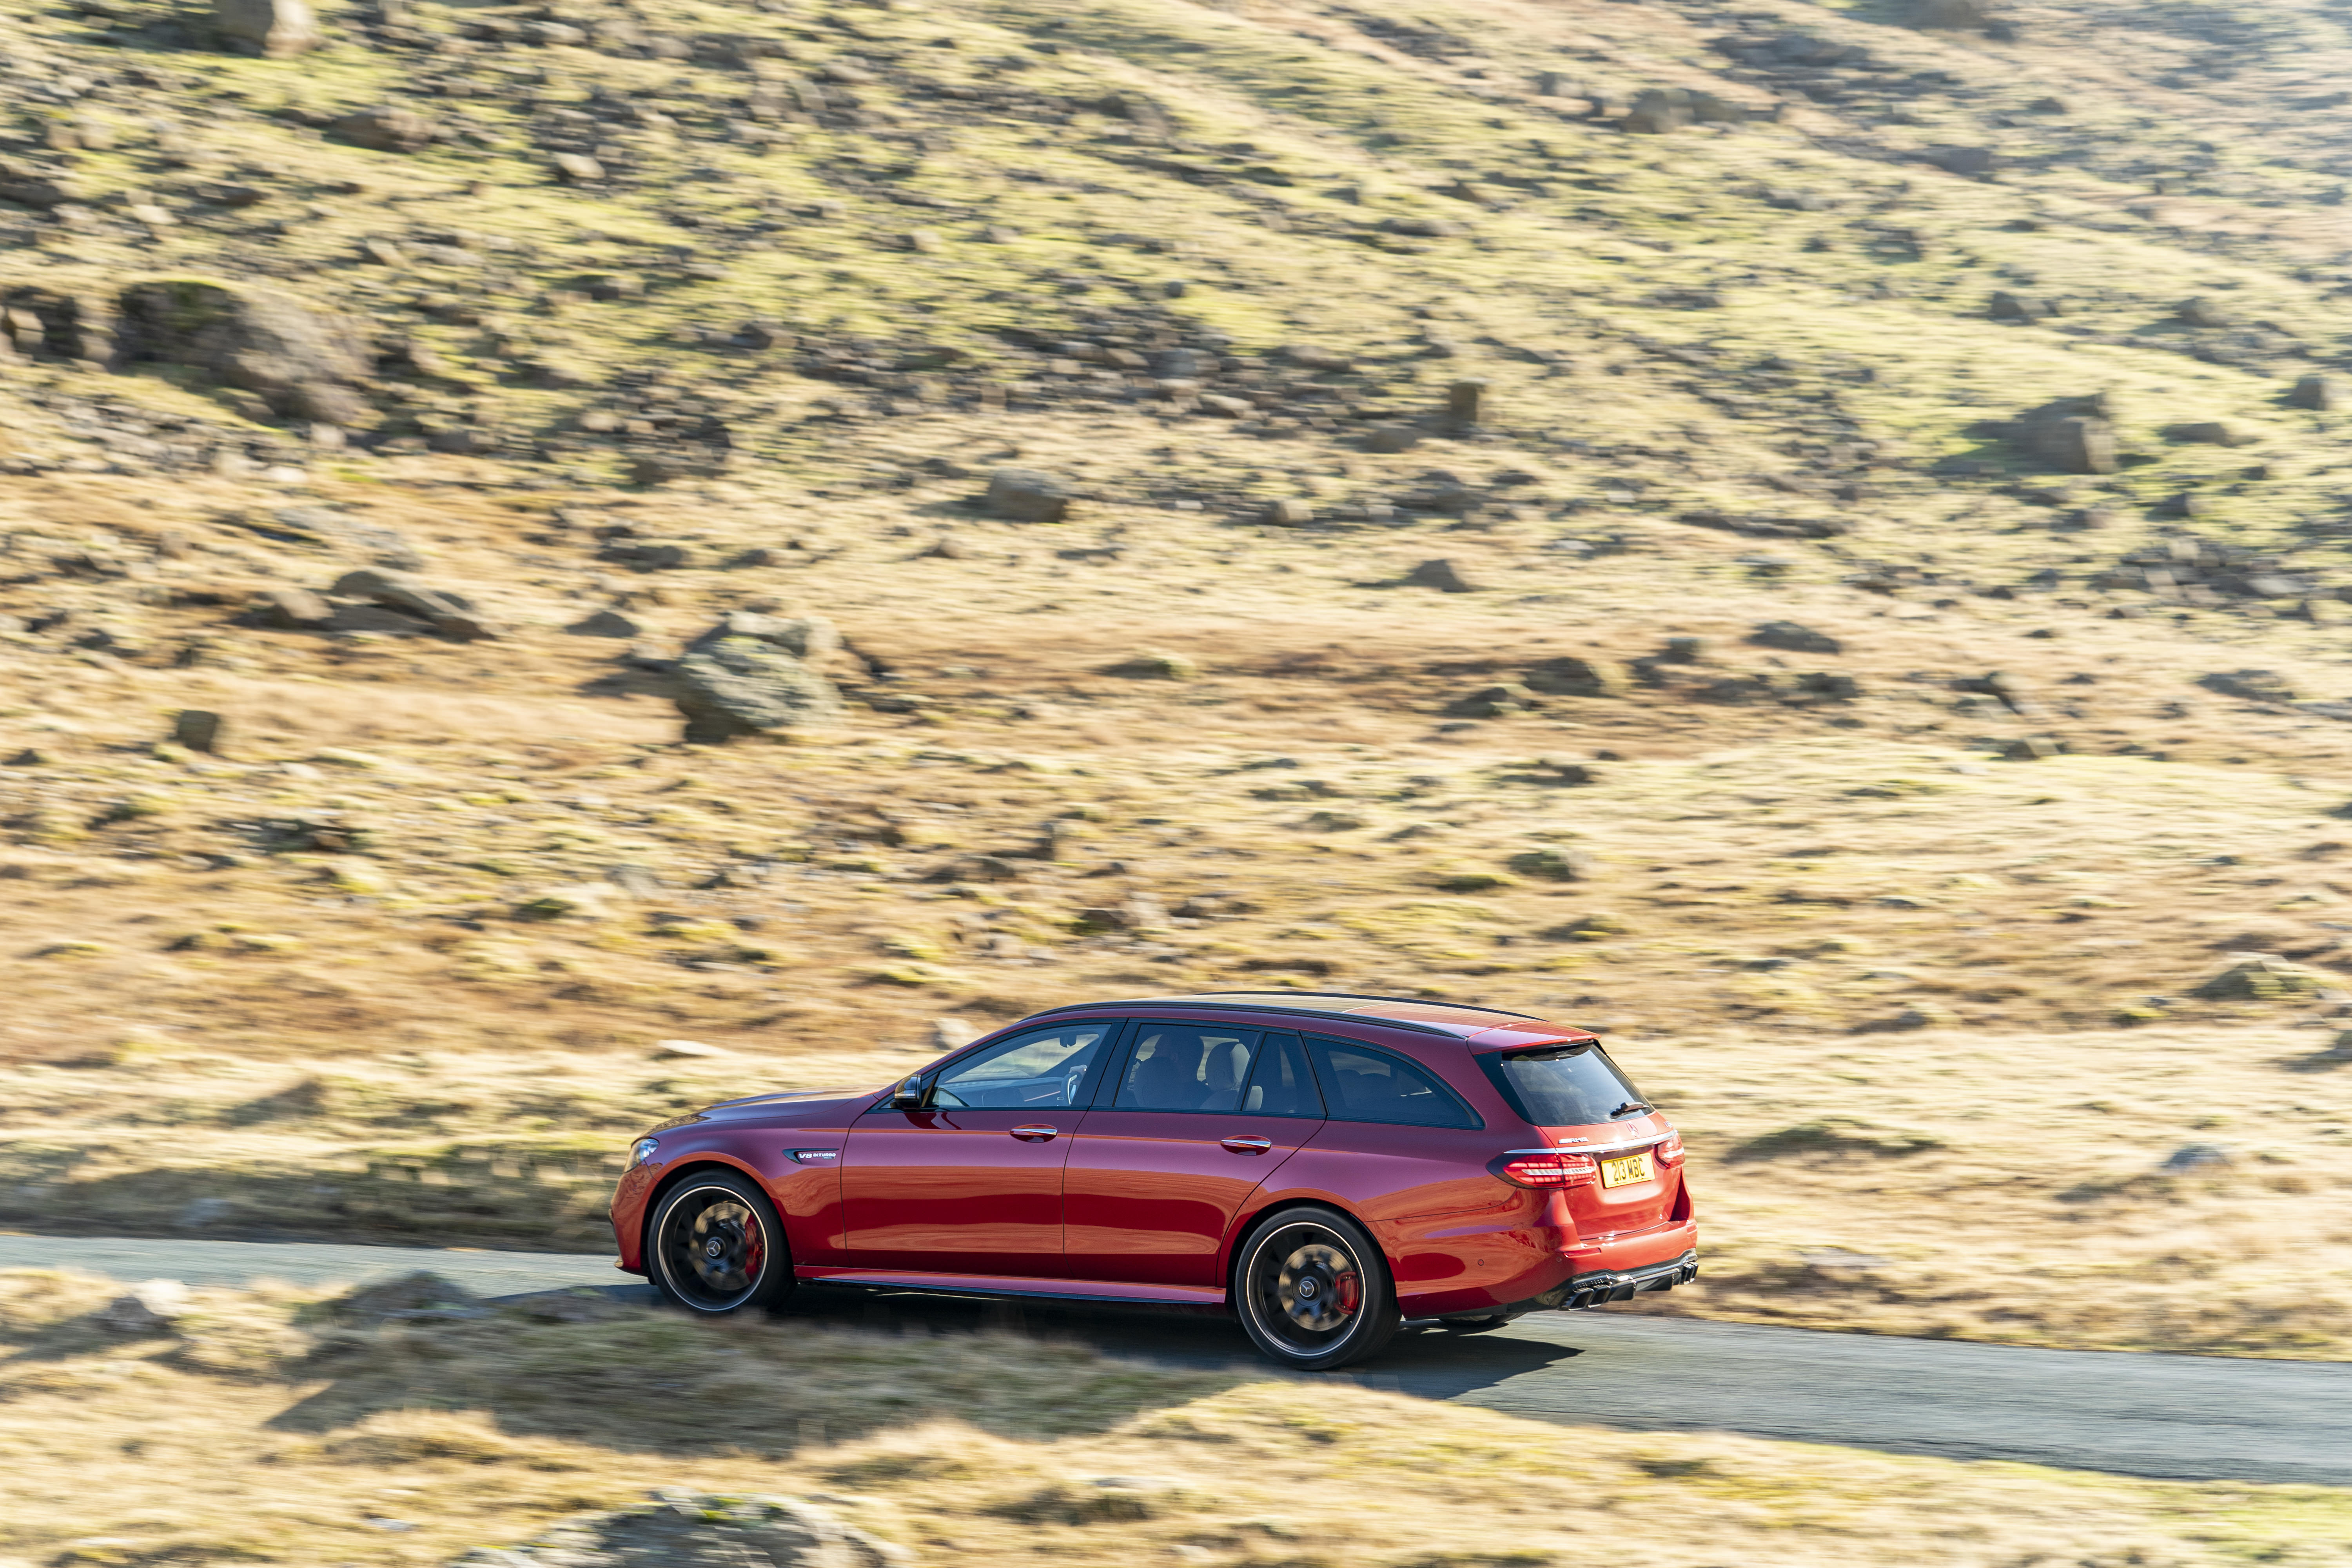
1564, 1086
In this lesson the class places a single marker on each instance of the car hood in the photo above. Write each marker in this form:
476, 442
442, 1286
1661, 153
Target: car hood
788, 1106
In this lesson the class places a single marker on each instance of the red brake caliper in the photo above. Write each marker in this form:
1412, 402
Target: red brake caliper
1351, 1293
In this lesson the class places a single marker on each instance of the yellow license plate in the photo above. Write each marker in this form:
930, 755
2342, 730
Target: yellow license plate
1625, 1171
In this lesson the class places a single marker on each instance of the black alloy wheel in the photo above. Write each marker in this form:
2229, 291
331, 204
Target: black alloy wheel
714, 1246
1312, 1290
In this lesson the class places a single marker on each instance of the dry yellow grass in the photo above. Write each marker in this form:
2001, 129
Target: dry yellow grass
276, 1427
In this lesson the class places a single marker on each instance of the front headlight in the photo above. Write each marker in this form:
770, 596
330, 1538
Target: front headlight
642, 1151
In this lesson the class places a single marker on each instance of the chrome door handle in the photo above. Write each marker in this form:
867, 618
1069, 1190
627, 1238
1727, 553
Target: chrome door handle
1035, 1134
1248, 1145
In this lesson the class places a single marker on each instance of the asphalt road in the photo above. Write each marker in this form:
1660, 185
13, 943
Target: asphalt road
2196, 1417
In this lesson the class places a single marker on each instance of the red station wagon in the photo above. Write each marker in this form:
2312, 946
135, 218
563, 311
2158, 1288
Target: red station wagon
1326, 1167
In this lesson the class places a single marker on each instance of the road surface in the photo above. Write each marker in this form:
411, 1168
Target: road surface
2197, 1418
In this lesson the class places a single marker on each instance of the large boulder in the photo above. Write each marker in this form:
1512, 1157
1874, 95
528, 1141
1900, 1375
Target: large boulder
749, 686
275, 30
304, 363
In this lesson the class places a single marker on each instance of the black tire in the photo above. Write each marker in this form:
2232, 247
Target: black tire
1312, 1290
714, 1247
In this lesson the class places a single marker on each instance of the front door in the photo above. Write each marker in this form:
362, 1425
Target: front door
970, 1182
1203, 1114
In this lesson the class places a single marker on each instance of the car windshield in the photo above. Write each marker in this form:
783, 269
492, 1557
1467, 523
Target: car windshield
1564, 1086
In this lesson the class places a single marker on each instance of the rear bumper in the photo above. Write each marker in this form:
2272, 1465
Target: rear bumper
1623, 1284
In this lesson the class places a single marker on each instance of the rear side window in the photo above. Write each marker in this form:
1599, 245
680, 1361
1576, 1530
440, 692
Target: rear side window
1360, 1084
1282, 1084
1564, 1086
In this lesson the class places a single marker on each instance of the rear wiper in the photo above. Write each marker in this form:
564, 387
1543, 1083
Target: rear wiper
1634, 1105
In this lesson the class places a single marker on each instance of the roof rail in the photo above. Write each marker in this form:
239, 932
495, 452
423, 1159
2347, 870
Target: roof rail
1254, 1007
1415, 1001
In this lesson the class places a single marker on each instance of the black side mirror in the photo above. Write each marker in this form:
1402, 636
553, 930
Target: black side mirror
907, 1096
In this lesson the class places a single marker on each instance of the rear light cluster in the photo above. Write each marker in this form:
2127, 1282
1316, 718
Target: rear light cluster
1548, 1168
1669, 1153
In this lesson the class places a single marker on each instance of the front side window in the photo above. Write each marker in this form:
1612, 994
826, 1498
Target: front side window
1564, 1086
1033, 1071
1360, 1084
1186, 1066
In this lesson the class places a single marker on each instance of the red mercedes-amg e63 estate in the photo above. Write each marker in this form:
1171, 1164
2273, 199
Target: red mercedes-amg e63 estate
1326, 1167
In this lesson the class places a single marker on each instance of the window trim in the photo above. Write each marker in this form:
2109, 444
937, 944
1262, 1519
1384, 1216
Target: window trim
1332, 1105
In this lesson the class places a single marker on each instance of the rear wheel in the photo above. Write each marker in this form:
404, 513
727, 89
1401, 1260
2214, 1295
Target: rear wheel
714, 1246
1312, 1290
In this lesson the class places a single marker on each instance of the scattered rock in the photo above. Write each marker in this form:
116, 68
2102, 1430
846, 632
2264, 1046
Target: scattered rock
583, 901
1951, 16
151, 1307
606, 624
1392, 438
1289, 512
1556, 865
1497, 702
1155, 665
2253, 685
1794, 638
2202, 312
950, 1034
275, 30
1567, 675
2263, 977
2198, 1156
2212, 433
387, 128
2072, 434
2318, 391
1467, 404
197, 730
1024, 495
683, 1050
741, 685
1442, 576
302, 363
812, 639
577, 169
688, 1528
451, 615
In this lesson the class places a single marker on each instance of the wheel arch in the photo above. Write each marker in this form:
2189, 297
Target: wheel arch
1267, 1205
706, 1162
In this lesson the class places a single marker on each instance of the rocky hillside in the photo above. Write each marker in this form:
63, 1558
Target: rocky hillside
537, 538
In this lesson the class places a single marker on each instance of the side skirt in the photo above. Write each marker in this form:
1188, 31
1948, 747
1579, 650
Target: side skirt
1012, 1285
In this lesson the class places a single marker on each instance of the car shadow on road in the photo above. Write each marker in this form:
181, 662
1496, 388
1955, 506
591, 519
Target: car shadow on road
1431, 1362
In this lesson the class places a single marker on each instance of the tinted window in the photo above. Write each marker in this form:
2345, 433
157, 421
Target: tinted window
1282, 1084
1034, 1070
1570, 1086
1186, 1066
1360, 1084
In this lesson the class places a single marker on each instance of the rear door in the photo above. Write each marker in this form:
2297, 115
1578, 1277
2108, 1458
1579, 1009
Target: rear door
972, 1181
1198, 1116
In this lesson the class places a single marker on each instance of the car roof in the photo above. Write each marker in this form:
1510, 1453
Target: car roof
1483, 1029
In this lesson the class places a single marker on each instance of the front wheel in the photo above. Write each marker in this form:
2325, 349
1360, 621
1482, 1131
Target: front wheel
714, 1246
1312, 1290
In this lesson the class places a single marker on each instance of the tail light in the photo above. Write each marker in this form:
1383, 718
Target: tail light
1546, 1168
1669, 1153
